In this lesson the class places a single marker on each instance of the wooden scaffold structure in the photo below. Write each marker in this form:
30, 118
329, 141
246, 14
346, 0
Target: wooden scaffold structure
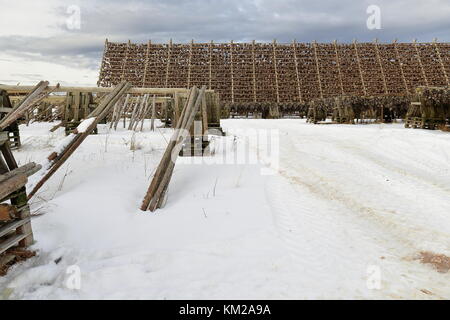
275, 73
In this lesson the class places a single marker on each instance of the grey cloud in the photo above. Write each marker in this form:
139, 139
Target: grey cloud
223, 20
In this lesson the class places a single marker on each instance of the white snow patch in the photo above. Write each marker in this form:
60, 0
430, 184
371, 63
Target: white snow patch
346, 198
82, 127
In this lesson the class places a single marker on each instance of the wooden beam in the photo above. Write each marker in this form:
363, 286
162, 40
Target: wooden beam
317, 68
26, 89
294, 48
360, 68
146, 63
210, 64
397, 54
102, 67
377, 52
254, 71
338, 63
440, 60
169, 49
232, 71
124, 61
190, 64
420, 62
274, 45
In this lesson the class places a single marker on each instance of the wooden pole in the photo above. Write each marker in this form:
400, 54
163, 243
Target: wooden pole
401, 66
190, 64
210, 64
12, 89
317, 68
152, 126
294, 48
125, 60
360, 68
146, 63
338, 63
162, 188
166, 158
142, 111
169, 49
102, 67
232, 71
122, 111
441, 62
377, 52
254, 71
420, 62
274, 45
147, 106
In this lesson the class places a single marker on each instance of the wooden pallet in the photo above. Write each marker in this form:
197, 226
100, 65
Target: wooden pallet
413, 122
15, 230
433, 124
14, 136
423, 123
13, 129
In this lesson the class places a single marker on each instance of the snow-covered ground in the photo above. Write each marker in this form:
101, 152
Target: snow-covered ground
348, 206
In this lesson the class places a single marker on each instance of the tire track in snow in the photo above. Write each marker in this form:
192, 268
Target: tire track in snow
329, 191
301, 225
383, 162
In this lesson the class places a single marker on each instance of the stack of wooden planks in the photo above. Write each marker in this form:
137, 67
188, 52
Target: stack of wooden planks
156, 192
15, 225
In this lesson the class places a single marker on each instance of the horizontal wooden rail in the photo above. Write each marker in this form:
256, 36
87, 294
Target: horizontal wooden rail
24, 89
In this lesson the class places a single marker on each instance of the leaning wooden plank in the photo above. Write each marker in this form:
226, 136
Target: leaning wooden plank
144, 113
27, 103
7, 228
121, 111
8, 156
162, 188
105, 106
59, 125
28, 170
12, 184
204, 115
134, 111
157, 177
141, 112
12, 241
114, 114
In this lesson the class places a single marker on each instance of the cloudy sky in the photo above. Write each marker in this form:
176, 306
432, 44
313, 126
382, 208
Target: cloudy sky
44, 39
